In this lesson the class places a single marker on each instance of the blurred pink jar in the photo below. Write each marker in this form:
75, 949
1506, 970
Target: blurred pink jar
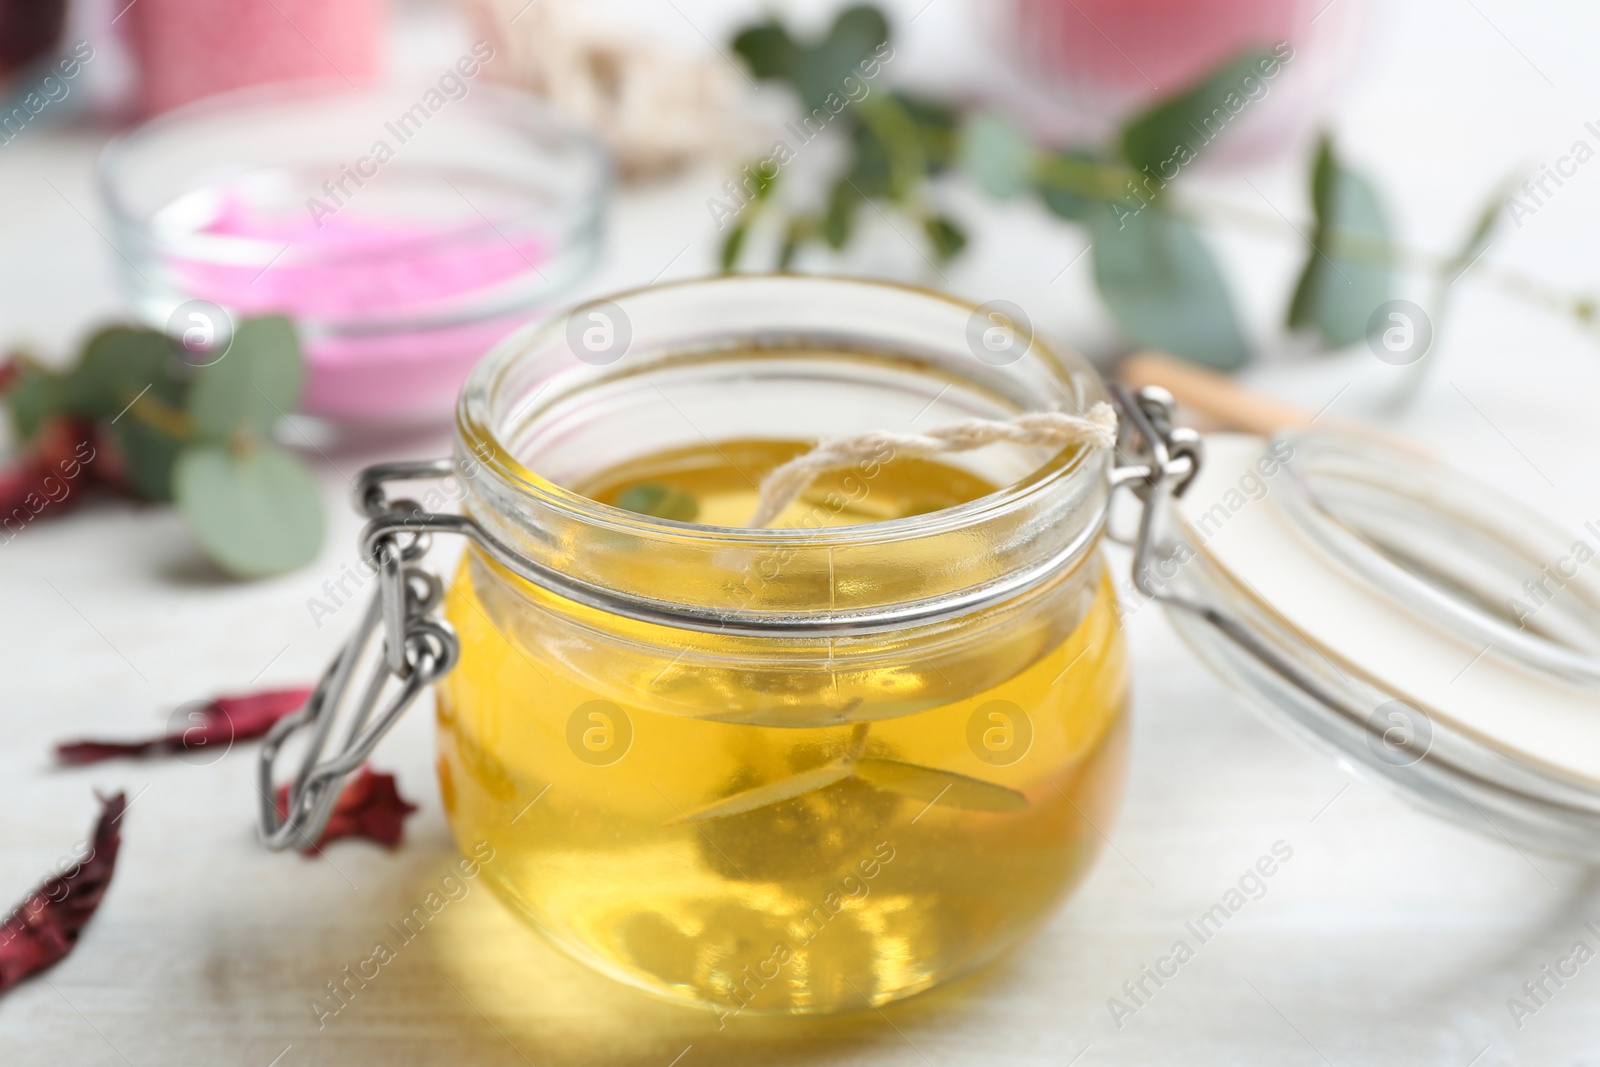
1092, 62
188, 49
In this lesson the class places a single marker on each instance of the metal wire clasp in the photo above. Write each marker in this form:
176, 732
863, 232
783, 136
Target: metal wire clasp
1156, 462
416, 649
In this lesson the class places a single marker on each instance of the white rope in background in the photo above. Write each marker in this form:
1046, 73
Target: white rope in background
783, 485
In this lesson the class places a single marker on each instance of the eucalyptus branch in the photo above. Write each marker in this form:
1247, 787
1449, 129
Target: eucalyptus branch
884, 116
1084, 177
1364, 249
166, 422
1153, 267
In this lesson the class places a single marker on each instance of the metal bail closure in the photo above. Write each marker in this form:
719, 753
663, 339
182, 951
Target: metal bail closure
413, 650
1160, 461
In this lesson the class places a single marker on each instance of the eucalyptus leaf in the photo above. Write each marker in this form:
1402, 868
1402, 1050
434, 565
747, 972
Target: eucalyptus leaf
947, 238
118, 364
822, 70
1478, 237
768, 51
901, 140
1467, 253
1347, 272
871, 172
661, 501
938, 786
839, 219
857, 32
1062, 179
732, 245
772, 793
762, 182
33, 397
1176, 129
149, 454
1163, 287
255, 383
998, 153
937, 128
800, 228
255, 511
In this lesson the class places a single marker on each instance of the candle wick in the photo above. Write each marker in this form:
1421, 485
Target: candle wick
783, 484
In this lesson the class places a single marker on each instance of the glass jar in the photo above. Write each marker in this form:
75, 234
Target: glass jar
828, 765
825, 765
821, 766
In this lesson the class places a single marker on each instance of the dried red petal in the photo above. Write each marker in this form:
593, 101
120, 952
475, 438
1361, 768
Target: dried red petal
45, 926
18, 482
110, 464
51, 475
225, 719
370, 806
65, 444
253, 714
73, 753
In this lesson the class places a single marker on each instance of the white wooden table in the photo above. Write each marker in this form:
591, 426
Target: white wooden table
1386, 938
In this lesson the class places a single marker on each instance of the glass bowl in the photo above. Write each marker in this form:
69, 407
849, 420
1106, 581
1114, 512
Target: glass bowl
406, 230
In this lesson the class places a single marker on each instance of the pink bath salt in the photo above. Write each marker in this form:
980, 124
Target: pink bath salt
391, 312
188, 49
397, 377
345, 268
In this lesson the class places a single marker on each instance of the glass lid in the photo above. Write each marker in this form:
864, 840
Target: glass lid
1427, 630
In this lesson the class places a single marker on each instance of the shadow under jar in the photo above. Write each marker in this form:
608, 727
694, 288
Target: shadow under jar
800, 769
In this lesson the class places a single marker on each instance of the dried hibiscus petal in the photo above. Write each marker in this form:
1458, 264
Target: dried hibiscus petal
222, 721
45, 927
370, 806
21, 484
63, 451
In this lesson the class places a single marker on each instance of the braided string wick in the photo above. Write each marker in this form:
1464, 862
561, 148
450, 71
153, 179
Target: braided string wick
1056, 429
